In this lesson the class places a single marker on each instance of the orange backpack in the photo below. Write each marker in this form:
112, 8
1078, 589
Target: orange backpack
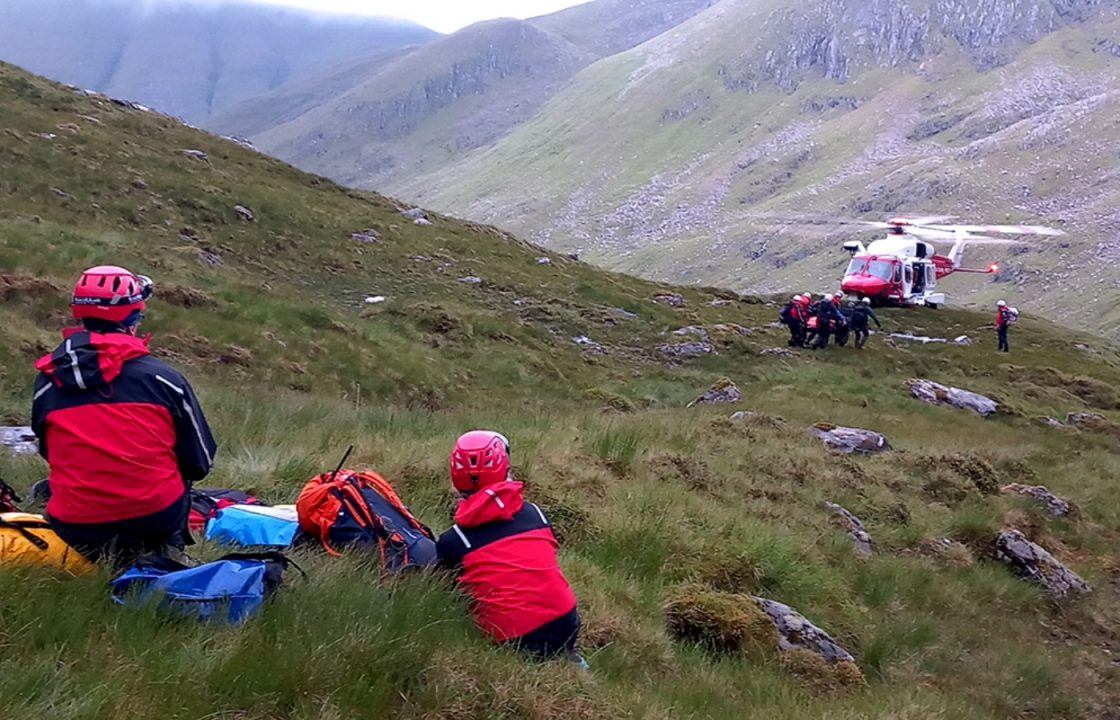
28, 540
351, 508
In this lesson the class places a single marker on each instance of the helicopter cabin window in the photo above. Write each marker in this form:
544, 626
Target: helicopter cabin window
931, 275
880, 269
909, 274
857, 266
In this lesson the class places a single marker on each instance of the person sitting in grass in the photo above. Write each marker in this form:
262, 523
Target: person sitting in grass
122, 431
504, 553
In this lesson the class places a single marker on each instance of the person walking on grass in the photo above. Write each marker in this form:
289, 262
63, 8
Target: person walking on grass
792, 315
1005, 318
123, 432
504, 553
828, 312
860, 315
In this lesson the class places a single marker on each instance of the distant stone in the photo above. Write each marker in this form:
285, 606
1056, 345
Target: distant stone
917, 338
242, 142
1055, 506
374, 299
937, 394
244, 213
729, 329
850, 440
62, 194
1053, 423
687, 350
719, 303
366, 237
795, 632
209, 258
194, 154
424, 222
19, 440
471, 280
590, 345
962, 340
420, 258
624, 314
670, 299
544, 261
139, 184
47, 136
723, 392
694, 331
1032, 562
778, 352
415, 214
1094, 422
856, 530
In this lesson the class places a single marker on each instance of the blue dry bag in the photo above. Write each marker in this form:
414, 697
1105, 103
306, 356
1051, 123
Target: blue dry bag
254, 526
226, 590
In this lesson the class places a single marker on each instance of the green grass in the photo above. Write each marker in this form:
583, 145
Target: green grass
645, 495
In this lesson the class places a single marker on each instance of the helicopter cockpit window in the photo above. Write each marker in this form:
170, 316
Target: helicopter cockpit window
880, 269
857, 266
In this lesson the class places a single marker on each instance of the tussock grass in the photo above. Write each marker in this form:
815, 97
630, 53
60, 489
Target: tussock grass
646, 496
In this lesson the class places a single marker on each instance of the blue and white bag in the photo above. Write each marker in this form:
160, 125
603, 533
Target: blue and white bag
254, 526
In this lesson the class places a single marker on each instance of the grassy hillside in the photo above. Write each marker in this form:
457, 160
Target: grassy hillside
647, 496
187, 58
660, 161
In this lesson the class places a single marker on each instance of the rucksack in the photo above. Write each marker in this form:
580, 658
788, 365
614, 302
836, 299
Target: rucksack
9, 500
786, 313
349, 508
206, 502
229, 589
1012, 316
28, 540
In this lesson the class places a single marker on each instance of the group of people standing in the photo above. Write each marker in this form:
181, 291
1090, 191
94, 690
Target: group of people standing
813, 323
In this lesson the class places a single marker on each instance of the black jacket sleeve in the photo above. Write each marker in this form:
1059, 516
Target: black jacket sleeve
194, 442
875, 318
43, 387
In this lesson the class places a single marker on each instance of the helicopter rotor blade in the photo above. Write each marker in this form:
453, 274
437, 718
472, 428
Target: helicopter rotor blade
1003, 229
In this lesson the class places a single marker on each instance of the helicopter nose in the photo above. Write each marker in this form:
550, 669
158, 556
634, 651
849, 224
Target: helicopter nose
863, 285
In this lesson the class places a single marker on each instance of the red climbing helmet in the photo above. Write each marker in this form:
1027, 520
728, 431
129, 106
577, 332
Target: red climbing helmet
480, 459
110, 293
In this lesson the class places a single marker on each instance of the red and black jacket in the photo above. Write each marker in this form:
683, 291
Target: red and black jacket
505, 553
122, 431
1003, 317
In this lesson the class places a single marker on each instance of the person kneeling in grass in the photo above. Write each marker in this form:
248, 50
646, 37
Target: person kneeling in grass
504, 553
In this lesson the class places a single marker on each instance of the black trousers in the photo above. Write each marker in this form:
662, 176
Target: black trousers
862, 333
822, 336
796, 333
1003, 344
558, 638
126, 540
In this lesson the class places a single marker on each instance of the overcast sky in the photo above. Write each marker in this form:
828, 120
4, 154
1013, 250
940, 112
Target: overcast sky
442, 15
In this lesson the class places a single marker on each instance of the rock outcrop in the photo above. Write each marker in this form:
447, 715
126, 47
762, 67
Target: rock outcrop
19, 440
724, 391
795, 632
850, 440
937, 394
858, 533
688, 350
1032, 562
669, 298
1054, 505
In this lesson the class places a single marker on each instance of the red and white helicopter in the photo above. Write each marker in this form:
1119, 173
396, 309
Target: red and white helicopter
904, 267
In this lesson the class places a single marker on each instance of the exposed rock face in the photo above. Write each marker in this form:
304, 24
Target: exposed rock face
670, 299
778, 352
243, 213
694, 331
924, 340
856, 530
19, 440
1032, 562
683, 351
471, 280
1054, 505
209, 258
195, 155
937, 394
724, 391
590, 345
850, 440
366, 237
797, 633
415, 214
1094, 422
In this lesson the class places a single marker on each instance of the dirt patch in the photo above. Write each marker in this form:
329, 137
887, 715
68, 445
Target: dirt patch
18, 287
186, 297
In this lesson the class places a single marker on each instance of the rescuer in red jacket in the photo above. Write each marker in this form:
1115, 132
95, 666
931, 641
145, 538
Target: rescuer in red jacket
122, 431
505, 554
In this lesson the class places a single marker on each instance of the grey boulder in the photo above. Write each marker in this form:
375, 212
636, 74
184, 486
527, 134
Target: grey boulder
850, 440
1055, 506
1033, 563
795, 632
856, 530
19, 440
937, 394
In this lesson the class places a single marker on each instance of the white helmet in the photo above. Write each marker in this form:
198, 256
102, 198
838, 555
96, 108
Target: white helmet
866, 301
796, 298
1001, 303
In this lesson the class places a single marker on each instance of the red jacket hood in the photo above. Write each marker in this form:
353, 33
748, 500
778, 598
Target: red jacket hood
87, 360
498, 502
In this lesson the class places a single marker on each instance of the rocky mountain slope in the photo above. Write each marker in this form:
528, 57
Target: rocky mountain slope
311, 317
387, 119
186, 58
688, 157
